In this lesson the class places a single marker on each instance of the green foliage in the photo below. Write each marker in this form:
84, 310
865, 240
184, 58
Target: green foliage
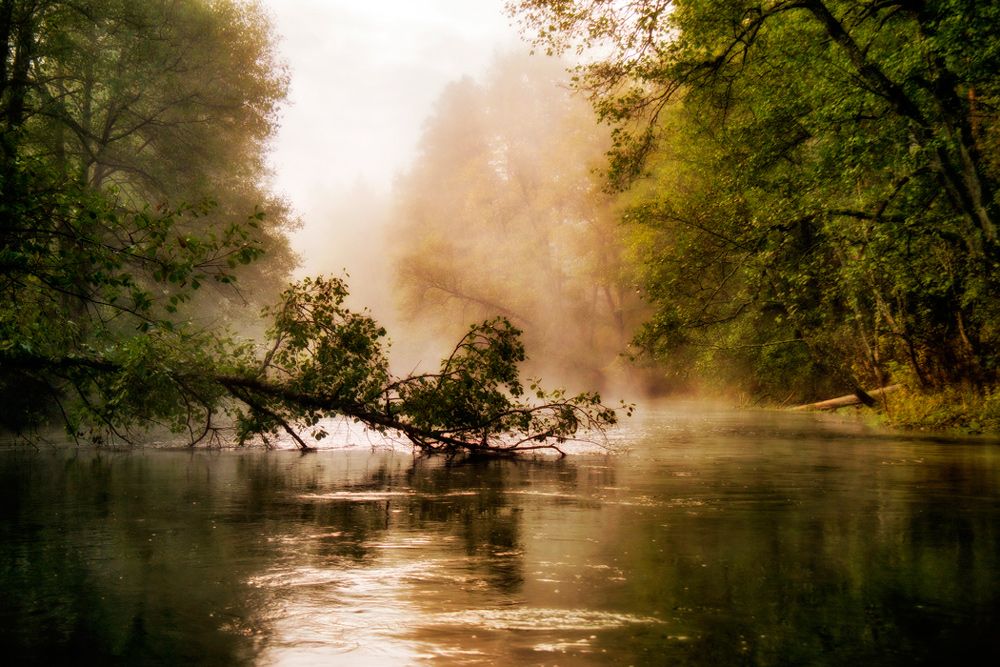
963, 408
322, 360
472, 389
106, 110
326, 345
817, 182
161, 101
478, 396
88, 297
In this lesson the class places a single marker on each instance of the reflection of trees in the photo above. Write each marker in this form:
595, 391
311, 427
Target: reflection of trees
465, 500
869, 571
111, 556
458, 502
148, 557
488, 525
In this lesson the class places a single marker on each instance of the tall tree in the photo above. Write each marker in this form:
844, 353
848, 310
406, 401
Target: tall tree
503, 215
167, 102
825, 177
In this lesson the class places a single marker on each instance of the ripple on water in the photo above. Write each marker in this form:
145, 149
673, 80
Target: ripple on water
406, 612
369, 496
536, 619
357, 496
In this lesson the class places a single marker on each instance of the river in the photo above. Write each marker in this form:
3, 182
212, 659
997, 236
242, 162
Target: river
719, 538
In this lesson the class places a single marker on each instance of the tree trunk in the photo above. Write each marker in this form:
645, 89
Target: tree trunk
844, 401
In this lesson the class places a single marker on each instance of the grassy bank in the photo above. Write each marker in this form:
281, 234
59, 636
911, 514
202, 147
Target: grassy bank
966, 409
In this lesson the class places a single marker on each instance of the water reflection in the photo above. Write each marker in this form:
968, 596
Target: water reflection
720, 539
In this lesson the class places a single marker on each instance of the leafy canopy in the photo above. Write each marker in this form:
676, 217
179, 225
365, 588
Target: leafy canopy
819, 181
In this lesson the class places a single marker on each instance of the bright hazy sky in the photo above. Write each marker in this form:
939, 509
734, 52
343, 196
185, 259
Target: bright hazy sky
365, 75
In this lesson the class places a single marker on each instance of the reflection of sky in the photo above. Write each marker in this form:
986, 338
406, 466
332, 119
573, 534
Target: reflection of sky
364, 78
438, 591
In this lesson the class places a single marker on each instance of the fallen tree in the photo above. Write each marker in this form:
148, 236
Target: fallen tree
321, 360
324, 360
97, 331
849, 399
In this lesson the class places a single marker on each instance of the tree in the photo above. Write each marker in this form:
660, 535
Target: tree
502, 215
324, 360
81, 288
825, 177
166, 102
116, 367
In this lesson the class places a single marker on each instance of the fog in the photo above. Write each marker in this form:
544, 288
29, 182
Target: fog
364, 76
452, 178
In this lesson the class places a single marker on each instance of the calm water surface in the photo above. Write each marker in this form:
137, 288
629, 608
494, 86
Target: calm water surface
721, 538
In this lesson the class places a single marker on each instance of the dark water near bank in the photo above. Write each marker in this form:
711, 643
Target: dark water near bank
720, 539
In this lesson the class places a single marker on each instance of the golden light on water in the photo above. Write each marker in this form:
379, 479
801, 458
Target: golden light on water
713, 540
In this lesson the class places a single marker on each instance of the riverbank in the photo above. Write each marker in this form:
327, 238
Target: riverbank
964, 409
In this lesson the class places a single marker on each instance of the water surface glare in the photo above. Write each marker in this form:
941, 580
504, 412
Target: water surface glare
721, 538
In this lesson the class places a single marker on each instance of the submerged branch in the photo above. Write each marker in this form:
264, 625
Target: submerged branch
548, 423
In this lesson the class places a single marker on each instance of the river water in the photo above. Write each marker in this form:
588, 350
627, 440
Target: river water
720, 538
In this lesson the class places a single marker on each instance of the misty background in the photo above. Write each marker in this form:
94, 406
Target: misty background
383, 101
364, 78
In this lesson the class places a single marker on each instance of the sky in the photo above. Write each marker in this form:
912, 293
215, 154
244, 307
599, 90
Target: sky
364, 77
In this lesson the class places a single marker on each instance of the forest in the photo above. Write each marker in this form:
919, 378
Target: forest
813, 189
774, 202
